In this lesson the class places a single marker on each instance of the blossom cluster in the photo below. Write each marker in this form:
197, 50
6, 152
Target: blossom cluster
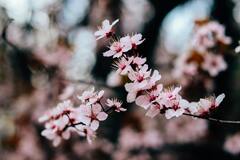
65, 119
144, 87
206, 51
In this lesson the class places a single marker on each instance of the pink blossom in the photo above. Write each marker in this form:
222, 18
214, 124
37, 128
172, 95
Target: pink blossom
92, 115
105, 30
185, 129
57, 122
208, 35
90, 97
214, 64
56, 135
173, 102
154, 110
56, 113
134, 40
86, 131
116, 49
146, 100
123, 65
232, 144
140, 75
210, 103
139, 61
116, 104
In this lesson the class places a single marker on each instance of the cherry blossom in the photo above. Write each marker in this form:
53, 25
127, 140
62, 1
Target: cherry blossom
117, 49
56, 120
86, 131
123, 65
134, 40
116, 104
91, 115
210, 103
208, 35
139, 61
214, 64
143, 88
154, 110
105, 30
232, 144
90, 97
146, 100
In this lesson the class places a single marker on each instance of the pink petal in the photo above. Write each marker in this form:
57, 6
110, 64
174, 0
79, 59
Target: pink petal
102, 116
131, 97
56, 141
94, 125
143, 101
153, 111
108, 53
96, 108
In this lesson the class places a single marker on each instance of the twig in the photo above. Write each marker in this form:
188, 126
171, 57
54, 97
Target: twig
213, 119
93, 83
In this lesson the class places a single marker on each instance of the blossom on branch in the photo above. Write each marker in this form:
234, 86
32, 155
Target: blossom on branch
105, 30
116, 105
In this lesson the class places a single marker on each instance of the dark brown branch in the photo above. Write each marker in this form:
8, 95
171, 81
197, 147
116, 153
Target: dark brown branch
213, 119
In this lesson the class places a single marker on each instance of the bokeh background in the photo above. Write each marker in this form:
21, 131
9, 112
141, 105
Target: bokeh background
48, 53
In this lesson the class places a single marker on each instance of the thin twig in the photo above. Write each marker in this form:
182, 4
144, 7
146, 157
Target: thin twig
93, 83
213, 119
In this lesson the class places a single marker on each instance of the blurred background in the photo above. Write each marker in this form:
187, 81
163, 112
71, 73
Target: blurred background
48, 53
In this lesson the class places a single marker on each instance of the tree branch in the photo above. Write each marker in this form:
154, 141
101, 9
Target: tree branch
213, 119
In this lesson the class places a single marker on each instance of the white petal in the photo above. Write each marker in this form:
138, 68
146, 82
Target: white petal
143, 101
94, 125
108, 53
102, 116
219, 99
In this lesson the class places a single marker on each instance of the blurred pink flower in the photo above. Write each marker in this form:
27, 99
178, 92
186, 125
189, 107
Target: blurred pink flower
105, 30
208, 35
232, 144
185, 129
213, 64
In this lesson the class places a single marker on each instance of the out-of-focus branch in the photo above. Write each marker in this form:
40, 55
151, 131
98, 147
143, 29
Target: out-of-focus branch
92, 83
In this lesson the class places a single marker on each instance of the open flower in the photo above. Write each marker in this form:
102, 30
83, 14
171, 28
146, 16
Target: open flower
146, 100
214, 64
209, 104
133, 41
105, 30
123, 65
57, 122
154, 109
116, 49
92, 115
139, 61
116, 104
90, 97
